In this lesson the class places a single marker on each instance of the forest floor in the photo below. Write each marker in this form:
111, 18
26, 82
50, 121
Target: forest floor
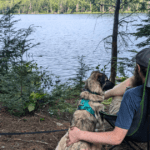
33, 123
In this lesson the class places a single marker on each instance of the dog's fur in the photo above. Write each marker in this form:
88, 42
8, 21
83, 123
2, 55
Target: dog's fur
82, 119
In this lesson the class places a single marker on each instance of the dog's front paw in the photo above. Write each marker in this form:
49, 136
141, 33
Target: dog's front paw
84, 95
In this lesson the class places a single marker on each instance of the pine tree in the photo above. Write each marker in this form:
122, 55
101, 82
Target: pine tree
143, 31
18, 80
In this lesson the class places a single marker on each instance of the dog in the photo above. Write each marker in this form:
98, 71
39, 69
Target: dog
108, 85
89, 119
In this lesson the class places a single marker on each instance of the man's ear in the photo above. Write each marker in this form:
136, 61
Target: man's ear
139, 69
140, 73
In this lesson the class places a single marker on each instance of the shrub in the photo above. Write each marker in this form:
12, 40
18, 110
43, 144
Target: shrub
18, 81
58, 97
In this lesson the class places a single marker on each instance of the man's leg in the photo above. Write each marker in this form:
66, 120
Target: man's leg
115, 105
117, 93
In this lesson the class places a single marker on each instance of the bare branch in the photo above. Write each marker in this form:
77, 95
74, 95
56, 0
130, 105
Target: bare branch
103, 40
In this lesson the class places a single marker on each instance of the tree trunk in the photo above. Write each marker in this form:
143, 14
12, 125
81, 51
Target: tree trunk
58, 8
77, 7
90, 7
114, 43
19, 11
30, 8
103, 8
51, 8
148, 6
23, 9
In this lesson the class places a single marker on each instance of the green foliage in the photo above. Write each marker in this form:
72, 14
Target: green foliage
34, 97
107, 102
143, 31
103, 69
58, 97
18, 81
20, 86
80, 73
16, 103
70, 6
42, 119
121, 78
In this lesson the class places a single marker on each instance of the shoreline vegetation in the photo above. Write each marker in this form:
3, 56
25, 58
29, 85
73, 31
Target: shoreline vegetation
125, 12
74, 13
73, 6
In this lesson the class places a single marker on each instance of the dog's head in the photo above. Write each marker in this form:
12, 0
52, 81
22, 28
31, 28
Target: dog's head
98, 82
95, 82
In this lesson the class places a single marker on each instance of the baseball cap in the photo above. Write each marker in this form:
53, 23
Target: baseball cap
142, 57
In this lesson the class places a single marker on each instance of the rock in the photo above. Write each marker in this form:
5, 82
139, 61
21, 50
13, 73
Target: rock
59, 124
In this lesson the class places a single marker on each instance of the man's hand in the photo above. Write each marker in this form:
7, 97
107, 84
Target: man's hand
73, 136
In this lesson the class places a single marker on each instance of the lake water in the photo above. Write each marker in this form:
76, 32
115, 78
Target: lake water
64, 37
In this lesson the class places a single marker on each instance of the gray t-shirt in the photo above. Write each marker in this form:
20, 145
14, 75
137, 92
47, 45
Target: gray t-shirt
129, 105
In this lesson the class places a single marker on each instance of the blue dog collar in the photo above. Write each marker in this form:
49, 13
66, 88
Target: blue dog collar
84, 105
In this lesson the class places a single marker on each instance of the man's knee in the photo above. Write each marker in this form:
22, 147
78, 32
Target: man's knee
115, 105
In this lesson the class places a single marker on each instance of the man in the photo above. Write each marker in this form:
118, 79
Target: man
129, 105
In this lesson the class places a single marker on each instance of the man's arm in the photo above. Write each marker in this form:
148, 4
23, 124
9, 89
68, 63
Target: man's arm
114, 137
119, 89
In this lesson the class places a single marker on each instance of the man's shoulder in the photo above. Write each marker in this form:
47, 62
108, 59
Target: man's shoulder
136, 91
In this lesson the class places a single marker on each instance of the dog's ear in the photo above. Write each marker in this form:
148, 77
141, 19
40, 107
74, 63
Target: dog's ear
101, 79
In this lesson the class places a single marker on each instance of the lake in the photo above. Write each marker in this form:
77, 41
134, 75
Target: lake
64, 37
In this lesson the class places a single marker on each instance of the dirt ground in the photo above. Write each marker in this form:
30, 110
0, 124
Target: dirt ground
32, 123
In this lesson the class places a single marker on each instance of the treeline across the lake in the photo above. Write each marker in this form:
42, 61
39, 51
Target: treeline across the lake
72, 6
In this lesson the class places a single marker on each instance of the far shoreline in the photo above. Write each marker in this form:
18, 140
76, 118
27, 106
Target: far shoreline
125, 12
